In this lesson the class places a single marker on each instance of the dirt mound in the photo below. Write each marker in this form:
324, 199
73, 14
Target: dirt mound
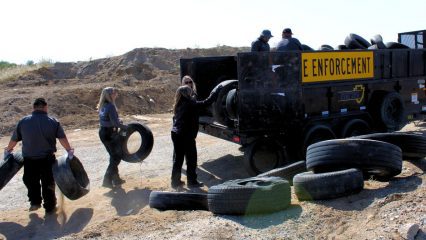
146, 77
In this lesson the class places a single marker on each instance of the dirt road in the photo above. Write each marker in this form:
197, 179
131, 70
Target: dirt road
378, 212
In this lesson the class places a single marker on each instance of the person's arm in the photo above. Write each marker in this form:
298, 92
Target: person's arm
213, 96
115, 120
64, 142
10, 146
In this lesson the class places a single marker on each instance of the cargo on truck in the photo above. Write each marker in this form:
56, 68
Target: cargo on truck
275, 104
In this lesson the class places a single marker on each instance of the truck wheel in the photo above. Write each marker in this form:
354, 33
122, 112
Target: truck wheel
263, 155
219, 106
413, 145
316, 133
392, 111
355, 127
231, 104
249, 196
310, 186
375, 158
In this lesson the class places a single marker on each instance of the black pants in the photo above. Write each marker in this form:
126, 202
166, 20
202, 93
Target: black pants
109, 137
38, 170
184, 146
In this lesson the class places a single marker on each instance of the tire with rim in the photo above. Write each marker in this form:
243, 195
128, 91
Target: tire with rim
9, 166
355, 127
70, 177
178, 200
329, 185
262, 155
375, 158
287, 172
147, 142
392, 111
249, 196
219, 106
314, 134
413, 145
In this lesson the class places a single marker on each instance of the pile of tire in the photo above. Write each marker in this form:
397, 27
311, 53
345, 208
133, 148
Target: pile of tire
354, 41
256, 195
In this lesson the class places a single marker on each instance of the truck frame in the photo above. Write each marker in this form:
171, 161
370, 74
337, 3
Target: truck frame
275, 104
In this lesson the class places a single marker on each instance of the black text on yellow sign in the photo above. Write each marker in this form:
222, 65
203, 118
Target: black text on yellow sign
329, 66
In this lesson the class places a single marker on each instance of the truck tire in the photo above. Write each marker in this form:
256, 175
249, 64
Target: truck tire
413, 146
147, 142
262, 155
396, 45
249, 196
392, 111
309, 186
314, 134
326, 47
70, 177
287, 172
375, 158
377, 41
354, 41
178, 200
9, 167
219, 106
355, 127
231, 104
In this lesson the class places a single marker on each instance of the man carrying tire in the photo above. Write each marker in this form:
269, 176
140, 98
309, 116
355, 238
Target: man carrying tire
38, 133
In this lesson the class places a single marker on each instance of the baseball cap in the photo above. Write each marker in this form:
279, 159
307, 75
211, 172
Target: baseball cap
287, 30
266, 33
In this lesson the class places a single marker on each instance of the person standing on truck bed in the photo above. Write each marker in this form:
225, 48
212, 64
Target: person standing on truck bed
261, 43
184, 132
288, 42
38, 133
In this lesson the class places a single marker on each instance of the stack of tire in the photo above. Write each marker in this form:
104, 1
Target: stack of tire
339, 167
354, 41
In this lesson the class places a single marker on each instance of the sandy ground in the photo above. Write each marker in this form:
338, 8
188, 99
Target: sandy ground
379, 212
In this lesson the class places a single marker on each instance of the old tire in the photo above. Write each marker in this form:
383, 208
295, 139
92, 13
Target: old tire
413, 146
377, 40
178, 200
375, 158
9, 167
396, 45
314, 134
249, 196
231, 104
355, 127
71, 178
329, 185
354, 41
219, 106
392, 111
326, 47
287, 172
262, 155
147, 142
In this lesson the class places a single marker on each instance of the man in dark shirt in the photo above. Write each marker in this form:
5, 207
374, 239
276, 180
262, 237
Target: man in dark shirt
38, 133
261, 43
288, 42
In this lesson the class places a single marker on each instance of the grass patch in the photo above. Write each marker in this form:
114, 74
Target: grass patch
11, 72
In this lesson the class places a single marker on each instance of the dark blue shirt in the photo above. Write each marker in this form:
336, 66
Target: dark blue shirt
260, 46
108, 116
38, 133
287, 44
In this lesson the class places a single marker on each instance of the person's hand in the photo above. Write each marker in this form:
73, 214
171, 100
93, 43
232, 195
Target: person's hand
70, 153
6, 153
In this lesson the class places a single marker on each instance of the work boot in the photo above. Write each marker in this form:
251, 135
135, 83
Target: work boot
50, 211
195, 184
117, 181
34, 207
107, 183
177, 184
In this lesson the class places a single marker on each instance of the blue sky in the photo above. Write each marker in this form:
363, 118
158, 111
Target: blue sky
79, 30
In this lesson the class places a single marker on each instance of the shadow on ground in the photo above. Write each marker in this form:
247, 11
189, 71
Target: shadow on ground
128, 203
48, 227
267, 220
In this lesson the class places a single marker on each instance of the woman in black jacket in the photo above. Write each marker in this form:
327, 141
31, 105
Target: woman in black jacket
184, 132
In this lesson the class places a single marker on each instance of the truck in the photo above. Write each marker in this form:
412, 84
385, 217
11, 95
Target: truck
275, 104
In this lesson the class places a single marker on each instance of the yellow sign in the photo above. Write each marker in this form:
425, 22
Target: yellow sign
330, 66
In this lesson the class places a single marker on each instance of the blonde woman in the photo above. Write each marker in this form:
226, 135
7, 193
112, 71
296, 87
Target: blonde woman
184, 132
108, 133
187, 81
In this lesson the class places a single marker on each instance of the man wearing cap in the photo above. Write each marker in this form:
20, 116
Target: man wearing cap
288, 42
261, 44
38, 133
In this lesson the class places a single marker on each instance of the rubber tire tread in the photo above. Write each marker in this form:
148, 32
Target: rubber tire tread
70, 177
413, 146
254, 195
219, 106
146, 146
287, 172
329, 185
375, 158
178, 200
9, 167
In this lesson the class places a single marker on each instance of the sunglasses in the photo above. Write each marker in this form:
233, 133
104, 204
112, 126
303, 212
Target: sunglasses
188, 82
